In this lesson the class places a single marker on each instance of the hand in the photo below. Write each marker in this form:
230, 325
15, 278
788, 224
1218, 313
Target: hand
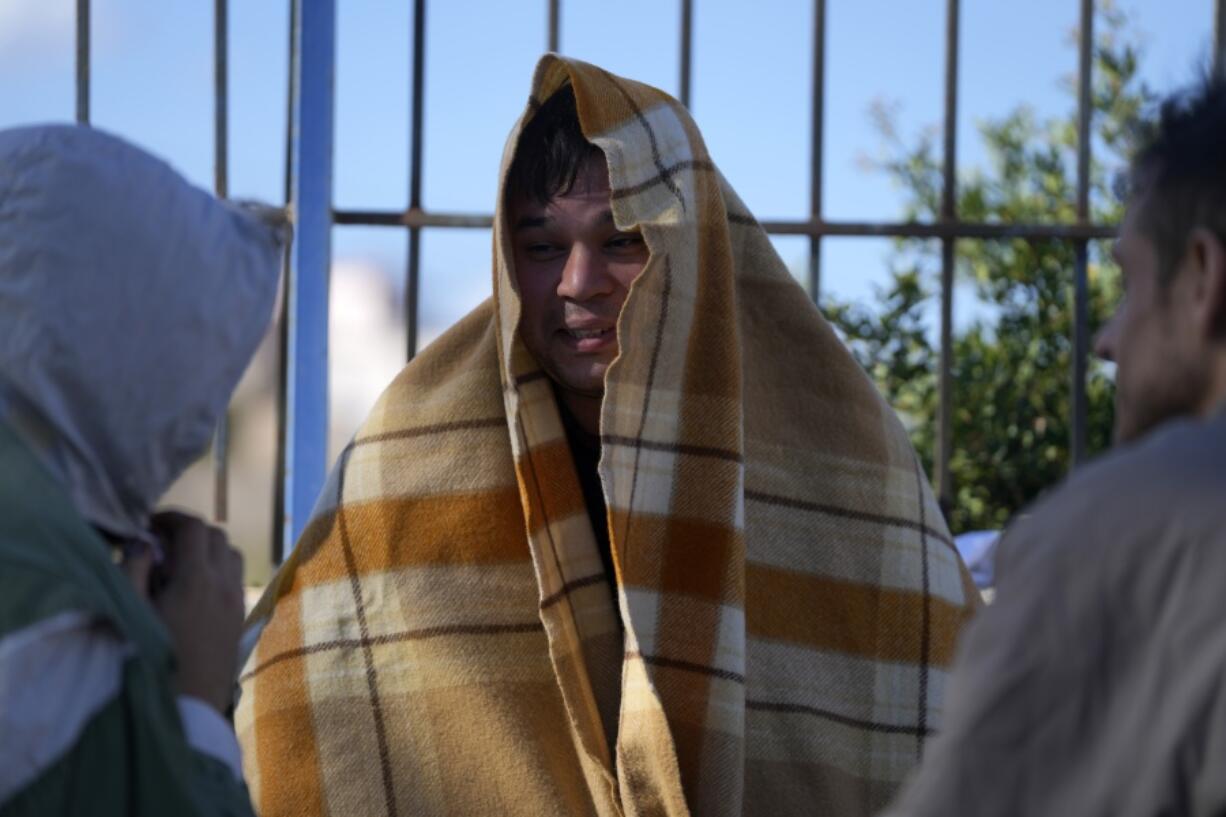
201, 603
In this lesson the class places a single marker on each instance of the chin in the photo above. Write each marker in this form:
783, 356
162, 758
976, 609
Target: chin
585, 378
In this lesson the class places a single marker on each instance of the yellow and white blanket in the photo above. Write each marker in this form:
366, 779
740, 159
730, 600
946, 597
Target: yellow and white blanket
442, 640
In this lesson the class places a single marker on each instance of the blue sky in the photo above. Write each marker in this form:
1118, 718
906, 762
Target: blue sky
751, 96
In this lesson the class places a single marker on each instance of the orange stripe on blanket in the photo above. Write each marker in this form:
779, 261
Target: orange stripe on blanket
451, 529
552, 488
864, 620
283, 723
687, 557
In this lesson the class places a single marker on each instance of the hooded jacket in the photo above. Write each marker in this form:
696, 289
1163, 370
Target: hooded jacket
130, 304
442, 640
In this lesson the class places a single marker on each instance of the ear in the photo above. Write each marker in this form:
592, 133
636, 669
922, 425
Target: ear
1207, 255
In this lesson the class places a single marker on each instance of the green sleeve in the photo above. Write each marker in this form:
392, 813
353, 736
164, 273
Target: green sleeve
131, 761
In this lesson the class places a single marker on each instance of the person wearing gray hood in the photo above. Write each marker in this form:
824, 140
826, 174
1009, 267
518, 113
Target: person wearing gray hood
130, 304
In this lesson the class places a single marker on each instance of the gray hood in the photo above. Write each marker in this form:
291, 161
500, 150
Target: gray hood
130, 304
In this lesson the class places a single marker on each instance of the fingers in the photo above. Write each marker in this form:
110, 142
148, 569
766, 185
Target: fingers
201, 606
136, 565
187, 540
234, 561
195, 548
224, 558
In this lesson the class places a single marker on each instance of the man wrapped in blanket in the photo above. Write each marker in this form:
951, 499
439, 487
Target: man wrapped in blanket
637, 536
130, 304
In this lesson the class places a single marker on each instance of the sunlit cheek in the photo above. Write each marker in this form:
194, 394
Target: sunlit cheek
627, 272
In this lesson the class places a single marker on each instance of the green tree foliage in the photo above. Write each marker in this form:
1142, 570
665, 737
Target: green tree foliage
1012, 365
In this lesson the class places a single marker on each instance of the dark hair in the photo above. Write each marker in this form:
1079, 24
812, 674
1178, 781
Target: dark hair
551, 151
1179, 175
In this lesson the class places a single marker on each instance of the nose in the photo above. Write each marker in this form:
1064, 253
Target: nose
585, 275
1105, 340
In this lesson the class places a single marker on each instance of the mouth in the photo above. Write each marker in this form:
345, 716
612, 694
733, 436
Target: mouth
584, 334
589, 339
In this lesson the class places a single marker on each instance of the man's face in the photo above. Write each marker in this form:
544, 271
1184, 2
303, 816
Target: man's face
574, 269
1161, 368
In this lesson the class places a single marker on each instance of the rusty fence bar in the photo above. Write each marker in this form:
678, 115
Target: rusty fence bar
817, 151
949, 215
1081, 289
221, 187
687, 49
413, 273
812, 228
83, 62
1219, 38
553, 36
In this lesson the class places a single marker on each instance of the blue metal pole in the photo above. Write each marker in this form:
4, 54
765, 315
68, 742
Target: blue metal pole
306, 415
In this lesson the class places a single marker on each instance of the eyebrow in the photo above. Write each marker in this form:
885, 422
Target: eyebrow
528, 222
531, 221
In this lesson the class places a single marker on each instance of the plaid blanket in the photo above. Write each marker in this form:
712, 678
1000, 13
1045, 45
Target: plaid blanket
443, 640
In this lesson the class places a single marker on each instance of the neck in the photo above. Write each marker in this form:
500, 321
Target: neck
1215, 395
584, 408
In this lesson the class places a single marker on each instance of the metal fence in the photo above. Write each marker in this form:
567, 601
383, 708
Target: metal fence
303, 420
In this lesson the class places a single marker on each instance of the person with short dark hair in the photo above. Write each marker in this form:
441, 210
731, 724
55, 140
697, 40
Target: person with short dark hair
1094, 683
130, 304
637, 536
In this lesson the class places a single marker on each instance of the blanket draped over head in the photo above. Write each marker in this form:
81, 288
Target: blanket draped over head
443, 640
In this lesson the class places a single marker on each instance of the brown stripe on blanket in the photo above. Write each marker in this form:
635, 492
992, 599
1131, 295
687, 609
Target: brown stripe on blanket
686, 666
671, 448
844, 513
420, 634
864, 620
368, 659
687, 164
835, 717
570, 587
430, 431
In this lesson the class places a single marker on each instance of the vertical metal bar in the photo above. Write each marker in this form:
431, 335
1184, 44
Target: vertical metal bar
83, 62
817, 153
1219, 39
221, 441
687, 48
306, 420
944, 450
1081, 318
555, 14
279, 546
413, 282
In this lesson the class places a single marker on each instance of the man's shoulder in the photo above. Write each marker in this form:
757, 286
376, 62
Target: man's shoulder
1127, 500
1177, 464
457, 371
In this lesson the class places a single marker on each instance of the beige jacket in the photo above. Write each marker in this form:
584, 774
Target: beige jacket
1096, 683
